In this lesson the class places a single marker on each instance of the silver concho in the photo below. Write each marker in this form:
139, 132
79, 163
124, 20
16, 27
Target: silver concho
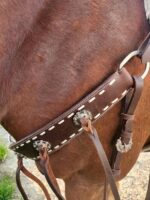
82, 114
122, 147
39, 144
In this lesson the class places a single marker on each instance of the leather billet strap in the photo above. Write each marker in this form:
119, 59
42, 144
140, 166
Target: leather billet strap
62, 130
144, 49
124, 143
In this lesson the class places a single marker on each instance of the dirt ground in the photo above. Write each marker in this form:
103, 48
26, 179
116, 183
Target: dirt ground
133, 187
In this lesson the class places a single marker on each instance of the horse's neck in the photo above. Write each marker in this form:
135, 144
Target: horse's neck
71, 48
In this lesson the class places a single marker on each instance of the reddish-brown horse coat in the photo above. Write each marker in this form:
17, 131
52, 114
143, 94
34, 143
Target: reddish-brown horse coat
54, 52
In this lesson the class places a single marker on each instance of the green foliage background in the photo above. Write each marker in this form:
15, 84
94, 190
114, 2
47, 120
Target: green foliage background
7, 188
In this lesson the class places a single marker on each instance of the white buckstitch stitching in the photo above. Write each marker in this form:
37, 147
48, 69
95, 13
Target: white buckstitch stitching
112, 82
96, 116
28, 141
51, 128
80, 108
71, 136
124, 92
80, 129
102, 92
64, 141
92, 99
61, 122
69, 116
104, 109
56, 147
34, 138
115, 100
43, 133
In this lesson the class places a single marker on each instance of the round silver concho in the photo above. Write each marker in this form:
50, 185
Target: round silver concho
122, 147
39, 144
82, 114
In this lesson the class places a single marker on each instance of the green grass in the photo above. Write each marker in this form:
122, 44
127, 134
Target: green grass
3, 152
7, 188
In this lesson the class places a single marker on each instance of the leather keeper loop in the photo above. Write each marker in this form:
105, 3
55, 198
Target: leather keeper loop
126, 137
127, 116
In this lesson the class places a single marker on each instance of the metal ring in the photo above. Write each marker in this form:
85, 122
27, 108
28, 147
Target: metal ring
147, 69
128, 58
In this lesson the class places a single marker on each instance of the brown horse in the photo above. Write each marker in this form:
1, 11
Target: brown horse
52, 53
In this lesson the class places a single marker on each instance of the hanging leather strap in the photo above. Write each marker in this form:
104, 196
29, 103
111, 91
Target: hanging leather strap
32, 177
18, 181
131, 102
144, 49
93, 135
48, 172
106, 166
148, 190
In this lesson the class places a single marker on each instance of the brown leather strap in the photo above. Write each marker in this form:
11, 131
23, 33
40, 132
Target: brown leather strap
105, 197
131, 102
32, 177
106, 166
18, 181
144, 49
48, 173
93, 135
148, 191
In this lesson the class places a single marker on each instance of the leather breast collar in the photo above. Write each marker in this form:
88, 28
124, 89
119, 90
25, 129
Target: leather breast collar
62, 130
